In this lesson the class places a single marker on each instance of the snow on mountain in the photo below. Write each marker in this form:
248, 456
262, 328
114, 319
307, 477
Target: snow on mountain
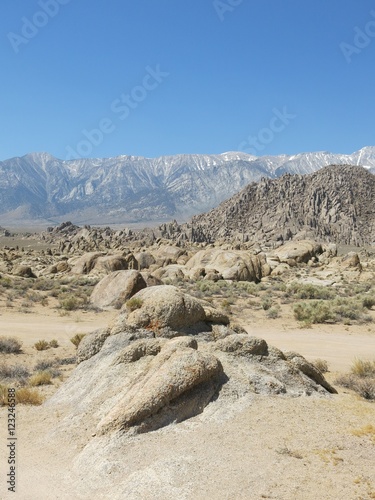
133, 188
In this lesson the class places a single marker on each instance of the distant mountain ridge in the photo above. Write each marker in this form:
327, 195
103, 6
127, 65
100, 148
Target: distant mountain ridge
39, 187
335, 204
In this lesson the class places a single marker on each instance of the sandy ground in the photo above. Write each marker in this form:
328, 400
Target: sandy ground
269, 447
47, 323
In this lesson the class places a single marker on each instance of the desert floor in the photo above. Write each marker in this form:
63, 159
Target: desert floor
271, 447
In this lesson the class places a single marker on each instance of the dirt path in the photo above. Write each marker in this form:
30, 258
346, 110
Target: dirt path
43, 323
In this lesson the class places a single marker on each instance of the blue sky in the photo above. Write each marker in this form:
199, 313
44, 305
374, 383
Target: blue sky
158, 77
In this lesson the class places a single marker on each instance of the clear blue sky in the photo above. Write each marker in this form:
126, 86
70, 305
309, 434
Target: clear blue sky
224, 72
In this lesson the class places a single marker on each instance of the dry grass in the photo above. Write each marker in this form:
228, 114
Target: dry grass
362, 368
3, 395
133, 304
28, 396
41, 378
76, 340
361, 379
41, 345
24, 395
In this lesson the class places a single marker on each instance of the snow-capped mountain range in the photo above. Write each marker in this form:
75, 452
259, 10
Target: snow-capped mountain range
38, 187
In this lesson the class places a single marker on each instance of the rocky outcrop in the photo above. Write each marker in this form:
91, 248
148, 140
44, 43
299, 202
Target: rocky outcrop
334, 204
115, 289
161, 307
298, 251
177, 381
229, 264
144, 372
102, 264
136, 383
110, 263
24, 272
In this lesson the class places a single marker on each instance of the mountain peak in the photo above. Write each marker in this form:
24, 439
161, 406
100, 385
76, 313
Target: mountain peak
137, 189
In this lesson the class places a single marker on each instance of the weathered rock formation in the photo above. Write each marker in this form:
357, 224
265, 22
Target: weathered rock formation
229, 264
335, 204
116, 288
135, 377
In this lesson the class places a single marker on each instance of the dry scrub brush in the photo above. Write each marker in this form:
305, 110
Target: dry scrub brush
24, 395
339, 310
10, 345
361, 378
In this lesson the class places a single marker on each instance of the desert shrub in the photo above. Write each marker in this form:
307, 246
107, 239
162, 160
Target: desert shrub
321, 365
225, 304
248, 287
14, 372
368, 302
308, 291
361, 379
205, 286
49, 366
44, 301
66, 361
40, 378
6, 282
43, 284
10, 345
313, 312
28, 396
134, 303
348, 381
26, 304
341, 309
366, 388
70, 303
354, 291
362, 368
41, 345
273, 313
76, 340
350, 309
33, 296
53, 343
267, 303
44, 364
